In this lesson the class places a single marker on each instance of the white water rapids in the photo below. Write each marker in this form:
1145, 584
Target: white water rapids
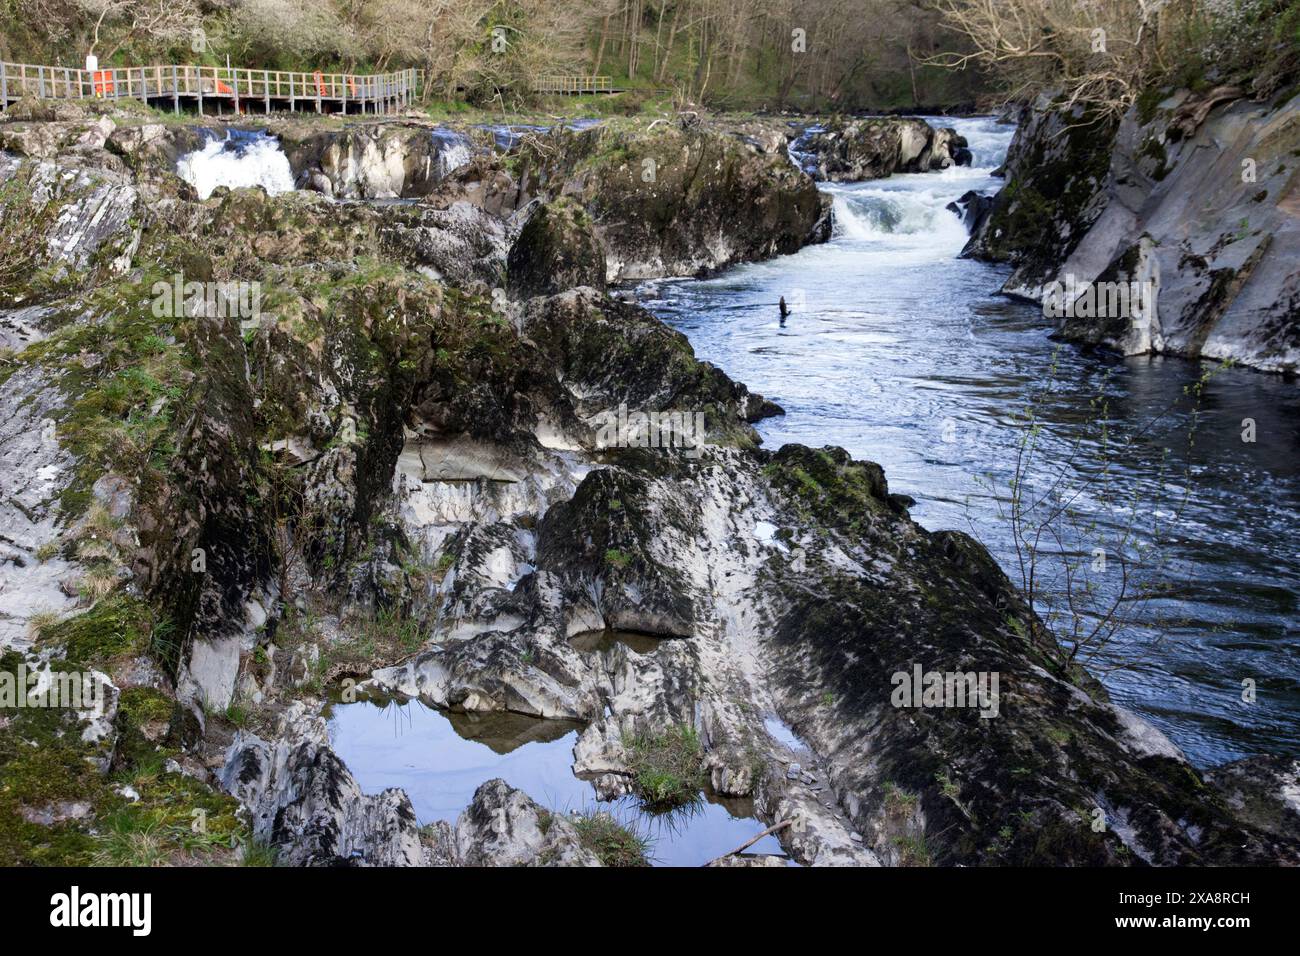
240, 159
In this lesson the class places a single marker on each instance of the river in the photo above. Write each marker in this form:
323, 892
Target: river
903, 353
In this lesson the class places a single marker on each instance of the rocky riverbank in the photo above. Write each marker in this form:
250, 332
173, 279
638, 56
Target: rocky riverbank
442, 460
860, 149
1192, 196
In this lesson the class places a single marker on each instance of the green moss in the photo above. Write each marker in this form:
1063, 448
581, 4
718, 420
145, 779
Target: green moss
26, 275
123, 373
116, 626
145, 705
617, 558
47, 773
830, 486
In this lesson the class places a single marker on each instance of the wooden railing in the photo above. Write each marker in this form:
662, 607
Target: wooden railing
197, 83
553, 83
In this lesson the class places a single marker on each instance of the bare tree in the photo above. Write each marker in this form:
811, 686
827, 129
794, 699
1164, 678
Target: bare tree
1100, 53
129, 22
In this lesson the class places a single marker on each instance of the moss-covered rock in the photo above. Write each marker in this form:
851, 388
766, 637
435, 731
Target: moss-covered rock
1057, 164
875, 148
668, 201
556, 250
1181, 204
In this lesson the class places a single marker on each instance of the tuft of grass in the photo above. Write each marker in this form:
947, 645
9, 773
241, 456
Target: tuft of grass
946, 785
898, 802
238, 714
667, 768
40, 622
48, 550
913, 851
130, 840
614, 843
259, 854
617, 559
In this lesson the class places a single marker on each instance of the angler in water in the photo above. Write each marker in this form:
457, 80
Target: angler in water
785, 310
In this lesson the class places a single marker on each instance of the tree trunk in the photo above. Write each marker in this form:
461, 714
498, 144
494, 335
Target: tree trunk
600, 50
672, 38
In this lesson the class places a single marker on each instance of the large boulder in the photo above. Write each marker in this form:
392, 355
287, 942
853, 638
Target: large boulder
671, 201
305, 803
556, 250
502, 826
371, 160
879, 147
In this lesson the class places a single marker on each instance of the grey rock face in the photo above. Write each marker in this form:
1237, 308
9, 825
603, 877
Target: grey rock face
303, 800
503, 827
670, 201
1196, 205
89, 212
876, 148
33, 470
1263, 790
372, 160
556, 250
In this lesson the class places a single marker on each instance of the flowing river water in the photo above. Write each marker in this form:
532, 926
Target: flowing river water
903, 353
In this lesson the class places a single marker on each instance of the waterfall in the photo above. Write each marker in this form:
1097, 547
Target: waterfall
910, 209
453, 150
241, 158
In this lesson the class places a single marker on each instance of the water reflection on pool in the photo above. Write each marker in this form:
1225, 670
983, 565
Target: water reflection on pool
440, 758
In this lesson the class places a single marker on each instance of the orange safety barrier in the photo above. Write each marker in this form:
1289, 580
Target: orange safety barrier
103, 82
320, 83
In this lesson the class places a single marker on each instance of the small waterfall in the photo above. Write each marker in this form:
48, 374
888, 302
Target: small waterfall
507, 136
799, 151
241, 158
453, 150
911, 209
898, 209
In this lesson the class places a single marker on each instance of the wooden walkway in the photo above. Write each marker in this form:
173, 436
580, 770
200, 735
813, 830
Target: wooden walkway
574, 85
213, 88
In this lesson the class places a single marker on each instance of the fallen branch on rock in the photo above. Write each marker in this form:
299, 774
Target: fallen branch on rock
750, 842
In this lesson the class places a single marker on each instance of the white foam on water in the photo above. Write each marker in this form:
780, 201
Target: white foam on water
454, 150
234, 162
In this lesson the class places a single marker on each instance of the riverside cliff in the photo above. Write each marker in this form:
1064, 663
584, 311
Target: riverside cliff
1192, 195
